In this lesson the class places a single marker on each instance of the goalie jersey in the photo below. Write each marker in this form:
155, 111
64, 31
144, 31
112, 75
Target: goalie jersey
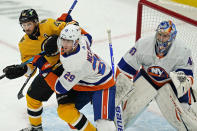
83, 71
143, 54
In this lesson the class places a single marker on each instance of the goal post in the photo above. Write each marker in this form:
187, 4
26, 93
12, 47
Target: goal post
151, 12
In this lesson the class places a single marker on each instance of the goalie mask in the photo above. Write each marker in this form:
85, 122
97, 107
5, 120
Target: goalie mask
69, 38
165, 35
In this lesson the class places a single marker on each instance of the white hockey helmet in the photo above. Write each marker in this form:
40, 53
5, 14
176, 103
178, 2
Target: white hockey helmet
71, 32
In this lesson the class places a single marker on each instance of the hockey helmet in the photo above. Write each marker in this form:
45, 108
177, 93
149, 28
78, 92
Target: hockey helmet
71, 32
28, 15
166, 29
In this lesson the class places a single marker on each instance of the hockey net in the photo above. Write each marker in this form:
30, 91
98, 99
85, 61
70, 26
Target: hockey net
152, 12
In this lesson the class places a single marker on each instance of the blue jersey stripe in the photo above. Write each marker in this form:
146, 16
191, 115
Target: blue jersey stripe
126, 67
89, 39
59, 88
187, 72
98, 82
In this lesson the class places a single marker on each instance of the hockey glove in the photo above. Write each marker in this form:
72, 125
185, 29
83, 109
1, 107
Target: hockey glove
50, 46
181, 76
40, 62
65, 17
181, 81
14, 71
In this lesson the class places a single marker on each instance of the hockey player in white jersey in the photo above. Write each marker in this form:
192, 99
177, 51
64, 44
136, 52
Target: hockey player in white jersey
84, 77
160, 67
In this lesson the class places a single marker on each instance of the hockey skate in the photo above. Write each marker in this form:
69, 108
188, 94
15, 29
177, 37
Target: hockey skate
32, 129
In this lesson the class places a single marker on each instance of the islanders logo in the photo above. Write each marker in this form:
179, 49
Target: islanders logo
158, 73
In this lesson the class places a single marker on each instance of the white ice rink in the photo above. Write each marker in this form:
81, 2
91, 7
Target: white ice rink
95, 16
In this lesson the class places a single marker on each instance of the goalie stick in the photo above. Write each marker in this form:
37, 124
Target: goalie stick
118, 110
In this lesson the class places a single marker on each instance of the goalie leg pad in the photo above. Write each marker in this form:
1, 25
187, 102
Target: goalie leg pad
141, 95
180, 118
105, 125
123, 86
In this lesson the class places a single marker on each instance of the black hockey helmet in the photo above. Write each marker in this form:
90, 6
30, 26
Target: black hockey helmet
28, 15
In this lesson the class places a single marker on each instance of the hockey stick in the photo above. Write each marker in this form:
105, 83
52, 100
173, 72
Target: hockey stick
20, 93
2, 76
24, 63
118, 110
111, 50
21, 65
72, 7
192, 92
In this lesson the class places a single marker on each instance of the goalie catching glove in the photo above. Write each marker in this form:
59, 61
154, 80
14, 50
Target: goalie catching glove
182, 82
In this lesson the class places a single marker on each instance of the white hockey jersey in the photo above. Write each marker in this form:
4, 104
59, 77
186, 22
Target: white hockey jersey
83, 71
143, 54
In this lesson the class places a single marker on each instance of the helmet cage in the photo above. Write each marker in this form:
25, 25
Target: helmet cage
169, 28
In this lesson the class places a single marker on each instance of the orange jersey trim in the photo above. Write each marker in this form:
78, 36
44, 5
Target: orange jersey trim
107, 85
51, 80
83, 31
189, 95
118, 72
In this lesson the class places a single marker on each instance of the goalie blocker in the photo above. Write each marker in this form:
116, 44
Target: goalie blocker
136, 99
